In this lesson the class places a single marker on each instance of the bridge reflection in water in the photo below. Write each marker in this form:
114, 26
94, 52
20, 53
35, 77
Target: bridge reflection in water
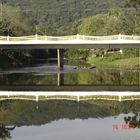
70, 88
89, 80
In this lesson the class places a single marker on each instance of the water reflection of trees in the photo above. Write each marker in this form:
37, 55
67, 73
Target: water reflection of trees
95, 77
133, 121
5, 132
21, 113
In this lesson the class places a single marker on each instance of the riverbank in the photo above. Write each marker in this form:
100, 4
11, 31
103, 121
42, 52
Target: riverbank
126, 63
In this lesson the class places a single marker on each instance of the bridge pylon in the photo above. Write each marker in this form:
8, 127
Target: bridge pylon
60, 59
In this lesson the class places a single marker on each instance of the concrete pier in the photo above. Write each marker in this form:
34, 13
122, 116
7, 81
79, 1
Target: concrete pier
60, 59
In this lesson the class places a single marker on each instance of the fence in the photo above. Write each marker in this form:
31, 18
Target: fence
72, 37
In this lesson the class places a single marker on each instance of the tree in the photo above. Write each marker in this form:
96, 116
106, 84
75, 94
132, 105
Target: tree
133, 3
5, 132
13, 22
43, 29
116, 21
101, 24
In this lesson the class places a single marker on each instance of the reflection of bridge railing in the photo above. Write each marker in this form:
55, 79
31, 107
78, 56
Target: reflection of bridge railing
72, 37
75, 96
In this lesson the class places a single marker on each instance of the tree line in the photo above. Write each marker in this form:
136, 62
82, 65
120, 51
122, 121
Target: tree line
14, 20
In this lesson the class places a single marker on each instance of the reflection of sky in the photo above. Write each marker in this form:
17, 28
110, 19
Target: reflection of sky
90, 129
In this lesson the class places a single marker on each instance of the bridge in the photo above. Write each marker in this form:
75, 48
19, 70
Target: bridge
69, 42
75, 96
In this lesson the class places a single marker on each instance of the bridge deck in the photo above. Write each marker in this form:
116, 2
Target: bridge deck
71, 88
67, 44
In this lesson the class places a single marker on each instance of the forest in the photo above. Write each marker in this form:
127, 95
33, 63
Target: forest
61, 12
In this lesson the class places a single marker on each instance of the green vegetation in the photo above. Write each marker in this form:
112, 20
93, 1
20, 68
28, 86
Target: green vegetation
77, 54
54, 17
13, 22
128, 59
116, 21
133, 3
15, 113
62, 12
21, 57
92, 77
21, 113
129, 63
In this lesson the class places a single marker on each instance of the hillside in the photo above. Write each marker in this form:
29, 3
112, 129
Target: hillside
62, 12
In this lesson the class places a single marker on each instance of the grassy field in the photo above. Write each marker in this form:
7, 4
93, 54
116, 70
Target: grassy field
128, 63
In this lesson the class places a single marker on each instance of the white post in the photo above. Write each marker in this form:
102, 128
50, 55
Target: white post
46, 37
8, 38
78, 36
8, 95
120, 37
83, 37
36, 98
78, 99
60, 59
121, 51
60, 79
36, 37
132, 36
120, 98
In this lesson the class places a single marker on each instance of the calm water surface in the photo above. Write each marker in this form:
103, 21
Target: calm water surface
47, 74
69, 120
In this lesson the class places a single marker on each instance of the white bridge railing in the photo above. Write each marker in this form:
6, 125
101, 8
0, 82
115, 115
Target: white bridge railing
72, 37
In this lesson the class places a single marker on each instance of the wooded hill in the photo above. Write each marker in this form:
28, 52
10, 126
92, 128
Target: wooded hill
62, 12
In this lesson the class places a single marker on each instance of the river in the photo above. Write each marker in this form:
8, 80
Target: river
69, 120
74, 76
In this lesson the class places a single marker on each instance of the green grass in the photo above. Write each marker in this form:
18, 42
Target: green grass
98, 61
125, 63
128, 62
